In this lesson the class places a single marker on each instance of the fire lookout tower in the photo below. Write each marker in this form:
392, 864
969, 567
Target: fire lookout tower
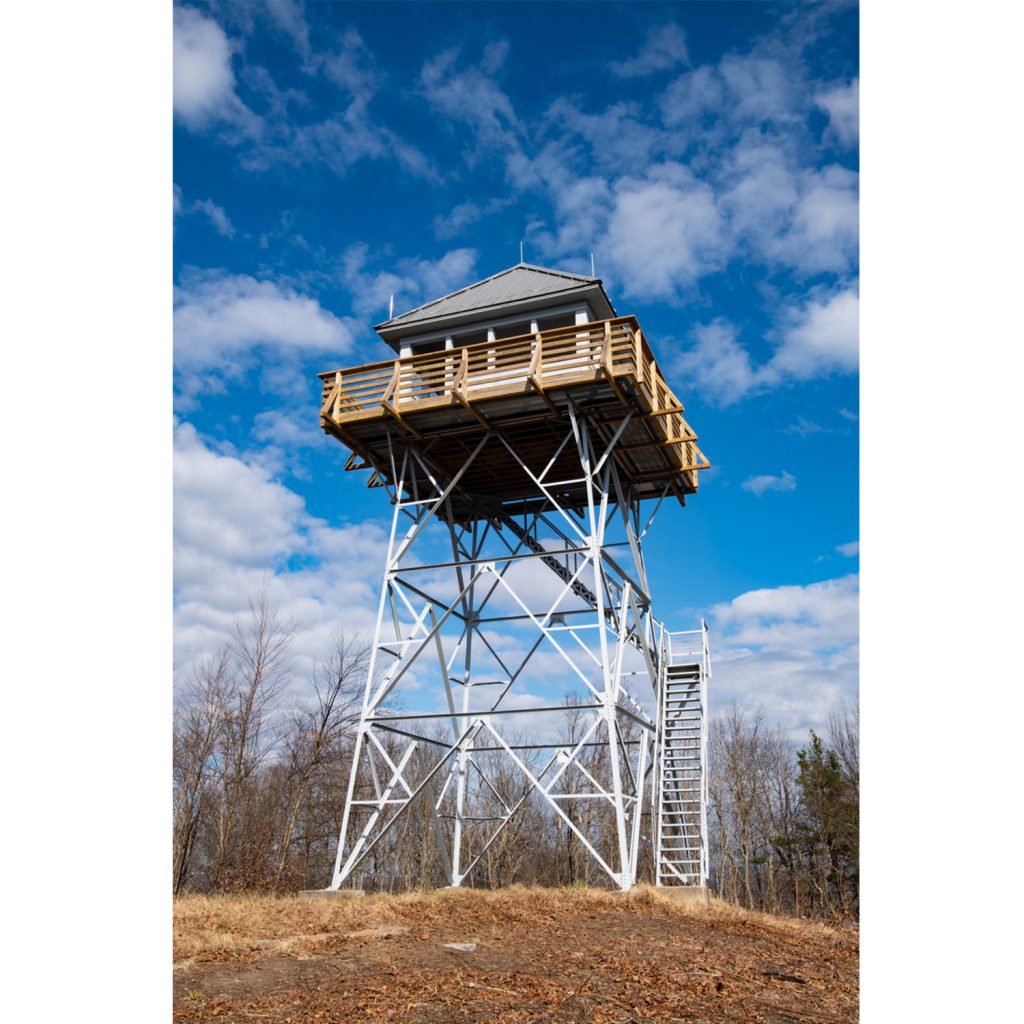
519, 434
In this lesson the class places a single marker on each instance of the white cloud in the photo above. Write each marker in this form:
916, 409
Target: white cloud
664, 47
230, 509
760, 89
289, 428
803, 218
821, 337
412, 281
766, 482
617, 137
468, 95
216, 215
849, 550
820, 616
740, 130
205, 98
289, 17
792, 650
459, 217
816, 338
805, 427
353, 68
692, 95
204, 82
217, 316
664, 233
824, 230
235, 529
717, 364
842, 104
743, 89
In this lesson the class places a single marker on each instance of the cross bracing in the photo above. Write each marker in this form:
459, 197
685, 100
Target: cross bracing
475, 647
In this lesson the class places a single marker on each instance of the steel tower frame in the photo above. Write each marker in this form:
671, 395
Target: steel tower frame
435, 632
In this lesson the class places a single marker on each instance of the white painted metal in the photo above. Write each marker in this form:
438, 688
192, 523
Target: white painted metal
442, 662
681, 839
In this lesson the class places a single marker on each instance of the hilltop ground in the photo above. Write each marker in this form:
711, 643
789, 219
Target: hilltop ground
540, 955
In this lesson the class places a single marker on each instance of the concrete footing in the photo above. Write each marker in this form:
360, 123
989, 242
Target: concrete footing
692, 895
330, 894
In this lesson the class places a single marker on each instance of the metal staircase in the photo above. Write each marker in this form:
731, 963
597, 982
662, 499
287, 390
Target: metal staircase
681, 856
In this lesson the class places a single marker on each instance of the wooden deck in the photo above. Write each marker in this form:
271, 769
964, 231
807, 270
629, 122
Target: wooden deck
522, 386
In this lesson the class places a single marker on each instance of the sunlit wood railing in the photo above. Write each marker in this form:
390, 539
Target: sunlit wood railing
526, 364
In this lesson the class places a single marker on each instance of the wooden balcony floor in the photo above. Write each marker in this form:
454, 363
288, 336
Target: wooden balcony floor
447, 401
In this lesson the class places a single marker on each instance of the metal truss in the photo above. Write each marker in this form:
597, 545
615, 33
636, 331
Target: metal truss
476, 643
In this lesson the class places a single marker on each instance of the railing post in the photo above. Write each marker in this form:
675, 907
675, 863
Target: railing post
337, 396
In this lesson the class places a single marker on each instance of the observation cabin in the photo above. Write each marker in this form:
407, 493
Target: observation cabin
513, 352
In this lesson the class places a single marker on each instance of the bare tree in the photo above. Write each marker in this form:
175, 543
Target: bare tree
316, 727
199, 716
260, 651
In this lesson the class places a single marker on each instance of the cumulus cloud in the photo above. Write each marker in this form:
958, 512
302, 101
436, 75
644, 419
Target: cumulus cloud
742, 89
849, 550
816, 337
820, 337
740, 127
412, 281
792, 650
803, 218
237, 529
664, 232
205, 98
759, 484
664, 47
761, 89
842, 104
717, 364
824, 229
217, 316
819, 616
691, 96
204, 82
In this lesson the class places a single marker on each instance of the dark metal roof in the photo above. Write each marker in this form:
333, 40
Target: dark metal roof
523, 281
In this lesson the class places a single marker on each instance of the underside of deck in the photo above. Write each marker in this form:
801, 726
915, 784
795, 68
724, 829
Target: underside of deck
516, 393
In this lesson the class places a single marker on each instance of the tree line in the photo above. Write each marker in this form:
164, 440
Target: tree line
260, 777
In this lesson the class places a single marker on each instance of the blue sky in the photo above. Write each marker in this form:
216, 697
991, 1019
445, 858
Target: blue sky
330, 155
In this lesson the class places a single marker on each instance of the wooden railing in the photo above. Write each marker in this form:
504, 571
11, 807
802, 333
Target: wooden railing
525, 364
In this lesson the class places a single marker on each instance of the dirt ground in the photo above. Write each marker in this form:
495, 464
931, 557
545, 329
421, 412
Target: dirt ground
540, 955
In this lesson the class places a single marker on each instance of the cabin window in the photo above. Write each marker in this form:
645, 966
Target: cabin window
422, 347
511, 330
474, 338
551, 323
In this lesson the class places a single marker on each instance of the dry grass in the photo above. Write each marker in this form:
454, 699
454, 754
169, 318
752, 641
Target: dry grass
207, 927
561, 956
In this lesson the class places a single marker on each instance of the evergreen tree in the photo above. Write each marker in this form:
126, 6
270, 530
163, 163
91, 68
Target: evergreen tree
829, 826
